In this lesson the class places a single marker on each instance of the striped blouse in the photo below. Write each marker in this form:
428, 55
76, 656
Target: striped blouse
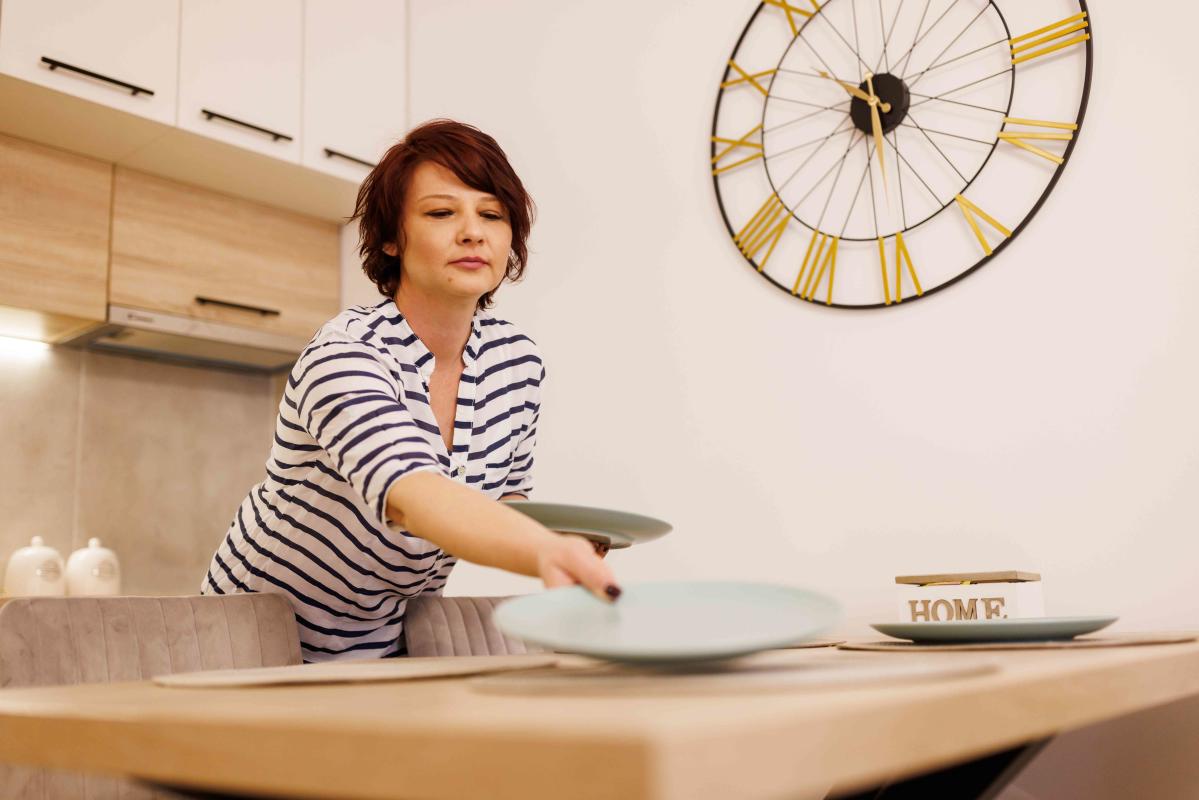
355, 418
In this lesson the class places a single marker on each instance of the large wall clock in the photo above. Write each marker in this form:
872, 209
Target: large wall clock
869, 152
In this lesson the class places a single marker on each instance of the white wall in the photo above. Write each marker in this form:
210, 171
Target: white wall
1039, 415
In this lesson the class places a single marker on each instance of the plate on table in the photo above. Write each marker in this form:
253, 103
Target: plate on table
1031, 629
618, 529
669, 622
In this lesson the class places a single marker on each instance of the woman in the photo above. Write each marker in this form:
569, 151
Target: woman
402, 424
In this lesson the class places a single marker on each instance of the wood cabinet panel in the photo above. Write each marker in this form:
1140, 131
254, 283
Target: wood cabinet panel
174, 247
54, 214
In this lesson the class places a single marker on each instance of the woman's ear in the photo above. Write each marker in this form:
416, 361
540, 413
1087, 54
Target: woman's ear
391, 249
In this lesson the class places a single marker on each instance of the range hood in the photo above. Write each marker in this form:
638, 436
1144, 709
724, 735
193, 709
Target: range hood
172, 337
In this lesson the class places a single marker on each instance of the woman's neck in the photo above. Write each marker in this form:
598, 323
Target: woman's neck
443, 327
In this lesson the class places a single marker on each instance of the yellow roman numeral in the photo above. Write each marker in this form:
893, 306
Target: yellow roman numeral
733, 144
791, 10
746, 77
815, 268
1020, 138
969, 210
901, 256
767, 225
1021, 45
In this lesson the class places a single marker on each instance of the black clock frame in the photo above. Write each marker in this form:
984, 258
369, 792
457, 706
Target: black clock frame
996, 250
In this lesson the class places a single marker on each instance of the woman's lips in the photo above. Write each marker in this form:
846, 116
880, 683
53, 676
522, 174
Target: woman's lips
470, 263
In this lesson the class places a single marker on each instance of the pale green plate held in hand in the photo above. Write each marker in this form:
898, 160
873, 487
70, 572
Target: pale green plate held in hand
1030, 629
619, 529
669, 622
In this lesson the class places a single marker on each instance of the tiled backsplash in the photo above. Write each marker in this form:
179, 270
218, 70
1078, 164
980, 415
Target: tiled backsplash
151, 457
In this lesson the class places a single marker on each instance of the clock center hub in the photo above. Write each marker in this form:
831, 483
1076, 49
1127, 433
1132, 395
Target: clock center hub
888, 89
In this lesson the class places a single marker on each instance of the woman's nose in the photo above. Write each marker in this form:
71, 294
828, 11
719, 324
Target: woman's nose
472, 230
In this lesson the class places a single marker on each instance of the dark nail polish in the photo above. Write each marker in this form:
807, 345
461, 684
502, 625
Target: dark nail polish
612, 591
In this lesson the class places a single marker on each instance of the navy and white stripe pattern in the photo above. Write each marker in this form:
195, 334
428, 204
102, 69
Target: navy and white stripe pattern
354, 419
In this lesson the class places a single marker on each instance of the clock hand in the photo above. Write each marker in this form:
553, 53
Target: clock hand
856, 92
877, 125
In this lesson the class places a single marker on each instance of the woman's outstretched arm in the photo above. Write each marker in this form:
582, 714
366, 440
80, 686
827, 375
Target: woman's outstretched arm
469, 525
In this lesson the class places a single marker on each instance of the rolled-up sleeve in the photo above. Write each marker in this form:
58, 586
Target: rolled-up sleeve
348, 402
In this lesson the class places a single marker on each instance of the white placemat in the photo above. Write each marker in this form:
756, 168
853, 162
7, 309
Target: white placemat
362, 671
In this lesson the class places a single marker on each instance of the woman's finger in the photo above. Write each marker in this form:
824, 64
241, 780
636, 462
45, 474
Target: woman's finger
591, 571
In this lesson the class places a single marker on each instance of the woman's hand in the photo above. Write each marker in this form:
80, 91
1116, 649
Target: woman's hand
570, 560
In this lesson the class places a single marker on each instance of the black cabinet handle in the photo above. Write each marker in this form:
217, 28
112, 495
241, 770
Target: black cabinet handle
331, 153
275, 135
209, 301
135, 90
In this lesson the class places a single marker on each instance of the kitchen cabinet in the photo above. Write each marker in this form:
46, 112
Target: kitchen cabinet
205, 255
120, 53
354, 84
54, 217
240, 73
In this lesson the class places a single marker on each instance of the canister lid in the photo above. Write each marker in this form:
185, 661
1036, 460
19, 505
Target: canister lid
1009, 576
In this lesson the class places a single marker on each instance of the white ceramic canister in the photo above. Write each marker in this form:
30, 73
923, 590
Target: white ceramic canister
93, 571
35, 571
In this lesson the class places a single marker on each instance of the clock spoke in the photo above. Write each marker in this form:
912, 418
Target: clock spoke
808, 103
939, 150
835, 166
819, 58
919, 177
848, 46
840, 165
824, 79
813, 154
954, 41
841, 128
959, 88
883, 61
958, 103
918, 75
906, 57
927, 131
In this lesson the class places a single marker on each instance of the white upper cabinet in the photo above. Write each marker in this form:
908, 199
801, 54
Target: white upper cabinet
354, 65
122, 53
239, 73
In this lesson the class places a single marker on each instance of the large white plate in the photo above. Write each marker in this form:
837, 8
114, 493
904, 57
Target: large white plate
1031, 629
669, 622
618, 528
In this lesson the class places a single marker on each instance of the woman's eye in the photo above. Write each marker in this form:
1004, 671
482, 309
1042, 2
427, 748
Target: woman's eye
441, 213
493, 215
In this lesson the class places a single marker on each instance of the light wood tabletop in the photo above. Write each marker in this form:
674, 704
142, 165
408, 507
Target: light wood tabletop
527, 735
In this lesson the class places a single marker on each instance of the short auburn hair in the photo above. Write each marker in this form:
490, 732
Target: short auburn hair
470, 154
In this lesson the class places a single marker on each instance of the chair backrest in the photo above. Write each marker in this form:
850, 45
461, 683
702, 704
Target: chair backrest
458, 626
47, 641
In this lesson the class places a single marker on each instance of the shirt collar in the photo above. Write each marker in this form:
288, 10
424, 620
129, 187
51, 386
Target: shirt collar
422, 357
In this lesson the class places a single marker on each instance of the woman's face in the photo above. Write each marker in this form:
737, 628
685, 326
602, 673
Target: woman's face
456, 239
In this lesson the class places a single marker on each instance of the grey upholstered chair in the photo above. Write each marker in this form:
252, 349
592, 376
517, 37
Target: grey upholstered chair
458, 626
46, 641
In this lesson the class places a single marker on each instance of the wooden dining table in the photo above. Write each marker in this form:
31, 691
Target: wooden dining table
661, 735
